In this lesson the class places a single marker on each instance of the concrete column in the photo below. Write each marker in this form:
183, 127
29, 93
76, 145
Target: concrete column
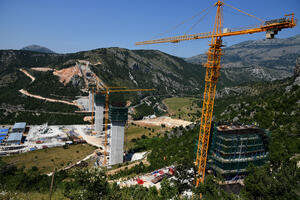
116, 143
99, 114
90, 101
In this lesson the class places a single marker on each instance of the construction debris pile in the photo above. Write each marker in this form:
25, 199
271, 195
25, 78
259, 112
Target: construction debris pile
152, 179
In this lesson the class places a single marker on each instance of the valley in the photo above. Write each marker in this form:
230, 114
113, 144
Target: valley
118, 123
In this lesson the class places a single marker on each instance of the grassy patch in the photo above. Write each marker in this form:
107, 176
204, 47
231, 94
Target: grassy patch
185, 108
136, 132
48, 159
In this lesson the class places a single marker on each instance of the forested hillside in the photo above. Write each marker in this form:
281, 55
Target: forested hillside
258, 59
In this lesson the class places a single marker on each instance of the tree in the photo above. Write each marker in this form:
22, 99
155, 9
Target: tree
273, 183
87, 185
211, 190
184, 174
168, 190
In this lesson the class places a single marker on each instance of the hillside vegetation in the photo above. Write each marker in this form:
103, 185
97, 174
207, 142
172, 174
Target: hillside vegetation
185, 108
49, 159
168, 75
258, 59
278, 178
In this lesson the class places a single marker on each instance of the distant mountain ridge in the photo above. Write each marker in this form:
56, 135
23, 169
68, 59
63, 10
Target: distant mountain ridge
37, 48
168, 75
258, 59
115, 66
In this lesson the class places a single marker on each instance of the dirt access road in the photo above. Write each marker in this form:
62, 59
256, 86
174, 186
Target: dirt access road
43, 98
167, 121
27, 74
48, 99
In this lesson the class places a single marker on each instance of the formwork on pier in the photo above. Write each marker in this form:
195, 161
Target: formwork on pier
118, 117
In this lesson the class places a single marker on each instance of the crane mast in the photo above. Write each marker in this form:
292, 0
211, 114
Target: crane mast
213, 66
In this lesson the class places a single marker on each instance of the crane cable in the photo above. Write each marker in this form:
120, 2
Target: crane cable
197, 22
184, 21
243, 12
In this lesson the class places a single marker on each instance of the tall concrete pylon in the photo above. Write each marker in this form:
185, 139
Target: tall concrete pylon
116, 150
118, 117
99, 112
91, 96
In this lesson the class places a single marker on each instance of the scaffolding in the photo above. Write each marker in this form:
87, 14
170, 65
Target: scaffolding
234, 147
99, 99
118, 114
99, 111
118, 117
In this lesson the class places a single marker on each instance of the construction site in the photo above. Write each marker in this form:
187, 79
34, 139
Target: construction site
225, 149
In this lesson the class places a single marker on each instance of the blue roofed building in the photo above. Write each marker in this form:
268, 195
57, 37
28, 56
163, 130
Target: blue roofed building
4, 130
3, 134
2, 138
19, 127
14, 138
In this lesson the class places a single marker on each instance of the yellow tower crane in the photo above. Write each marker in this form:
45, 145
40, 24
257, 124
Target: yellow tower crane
213, 67
106, 90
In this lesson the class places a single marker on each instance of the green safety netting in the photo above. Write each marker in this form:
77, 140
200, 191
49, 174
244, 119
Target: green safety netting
231, 152
99, 99
118, 113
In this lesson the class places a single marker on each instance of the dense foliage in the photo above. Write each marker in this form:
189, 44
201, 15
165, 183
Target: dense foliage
61, 91
142, 110
275, 108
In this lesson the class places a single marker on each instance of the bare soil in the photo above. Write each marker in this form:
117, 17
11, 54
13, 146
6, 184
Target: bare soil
167, 121
65, 75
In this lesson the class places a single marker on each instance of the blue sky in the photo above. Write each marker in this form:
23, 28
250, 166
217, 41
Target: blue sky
67, 26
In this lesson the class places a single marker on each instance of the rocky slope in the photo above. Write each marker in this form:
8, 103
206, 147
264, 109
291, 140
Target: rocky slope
258, 59
146, 69
297, 72
297, 67
273, 104
169, 75
37, 48
115, 66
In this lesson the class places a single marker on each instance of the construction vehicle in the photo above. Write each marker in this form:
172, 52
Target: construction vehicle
213, 66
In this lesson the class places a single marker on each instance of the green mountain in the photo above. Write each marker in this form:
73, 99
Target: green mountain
169, 75
273, 105
37, 48
116, 66
146, 69
258, 59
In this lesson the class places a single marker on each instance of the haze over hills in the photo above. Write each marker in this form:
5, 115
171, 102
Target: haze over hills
258, 59
37, 48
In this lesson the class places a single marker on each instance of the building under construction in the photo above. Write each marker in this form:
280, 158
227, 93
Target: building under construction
234, 147
118, 117
99, 112
115, 134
